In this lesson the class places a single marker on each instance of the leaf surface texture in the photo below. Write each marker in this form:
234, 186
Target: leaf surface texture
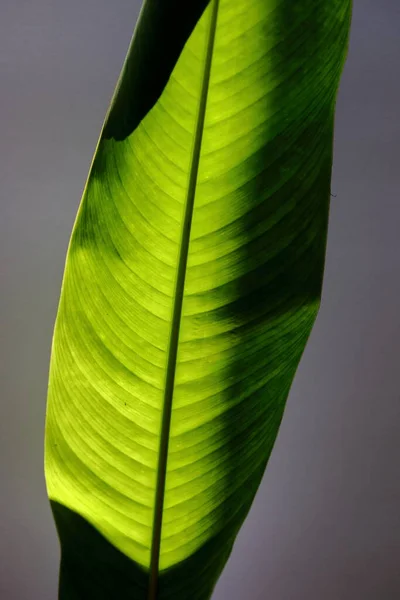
192, 282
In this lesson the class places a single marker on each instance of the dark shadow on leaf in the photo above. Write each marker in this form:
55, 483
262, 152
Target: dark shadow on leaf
93, 569
162, 31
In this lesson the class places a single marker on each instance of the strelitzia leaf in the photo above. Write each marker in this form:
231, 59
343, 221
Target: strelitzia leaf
192, 281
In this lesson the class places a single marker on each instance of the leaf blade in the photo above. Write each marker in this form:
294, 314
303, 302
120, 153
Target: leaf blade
251, 292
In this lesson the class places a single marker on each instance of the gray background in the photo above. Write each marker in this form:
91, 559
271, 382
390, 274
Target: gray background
326, 521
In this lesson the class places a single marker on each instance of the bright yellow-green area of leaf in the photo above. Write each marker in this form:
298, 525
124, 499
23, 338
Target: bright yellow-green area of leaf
251, 289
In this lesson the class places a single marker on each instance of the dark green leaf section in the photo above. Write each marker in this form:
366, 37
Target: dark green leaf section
164, 27
93, 569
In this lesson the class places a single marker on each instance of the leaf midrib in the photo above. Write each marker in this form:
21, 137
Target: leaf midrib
177, 310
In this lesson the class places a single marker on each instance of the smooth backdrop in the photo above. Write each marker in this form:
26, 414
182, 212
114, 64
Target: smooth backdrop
326, 522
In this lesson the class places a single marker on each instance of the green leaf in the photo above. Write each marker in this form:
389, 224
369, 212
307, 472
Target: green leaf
192, 281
